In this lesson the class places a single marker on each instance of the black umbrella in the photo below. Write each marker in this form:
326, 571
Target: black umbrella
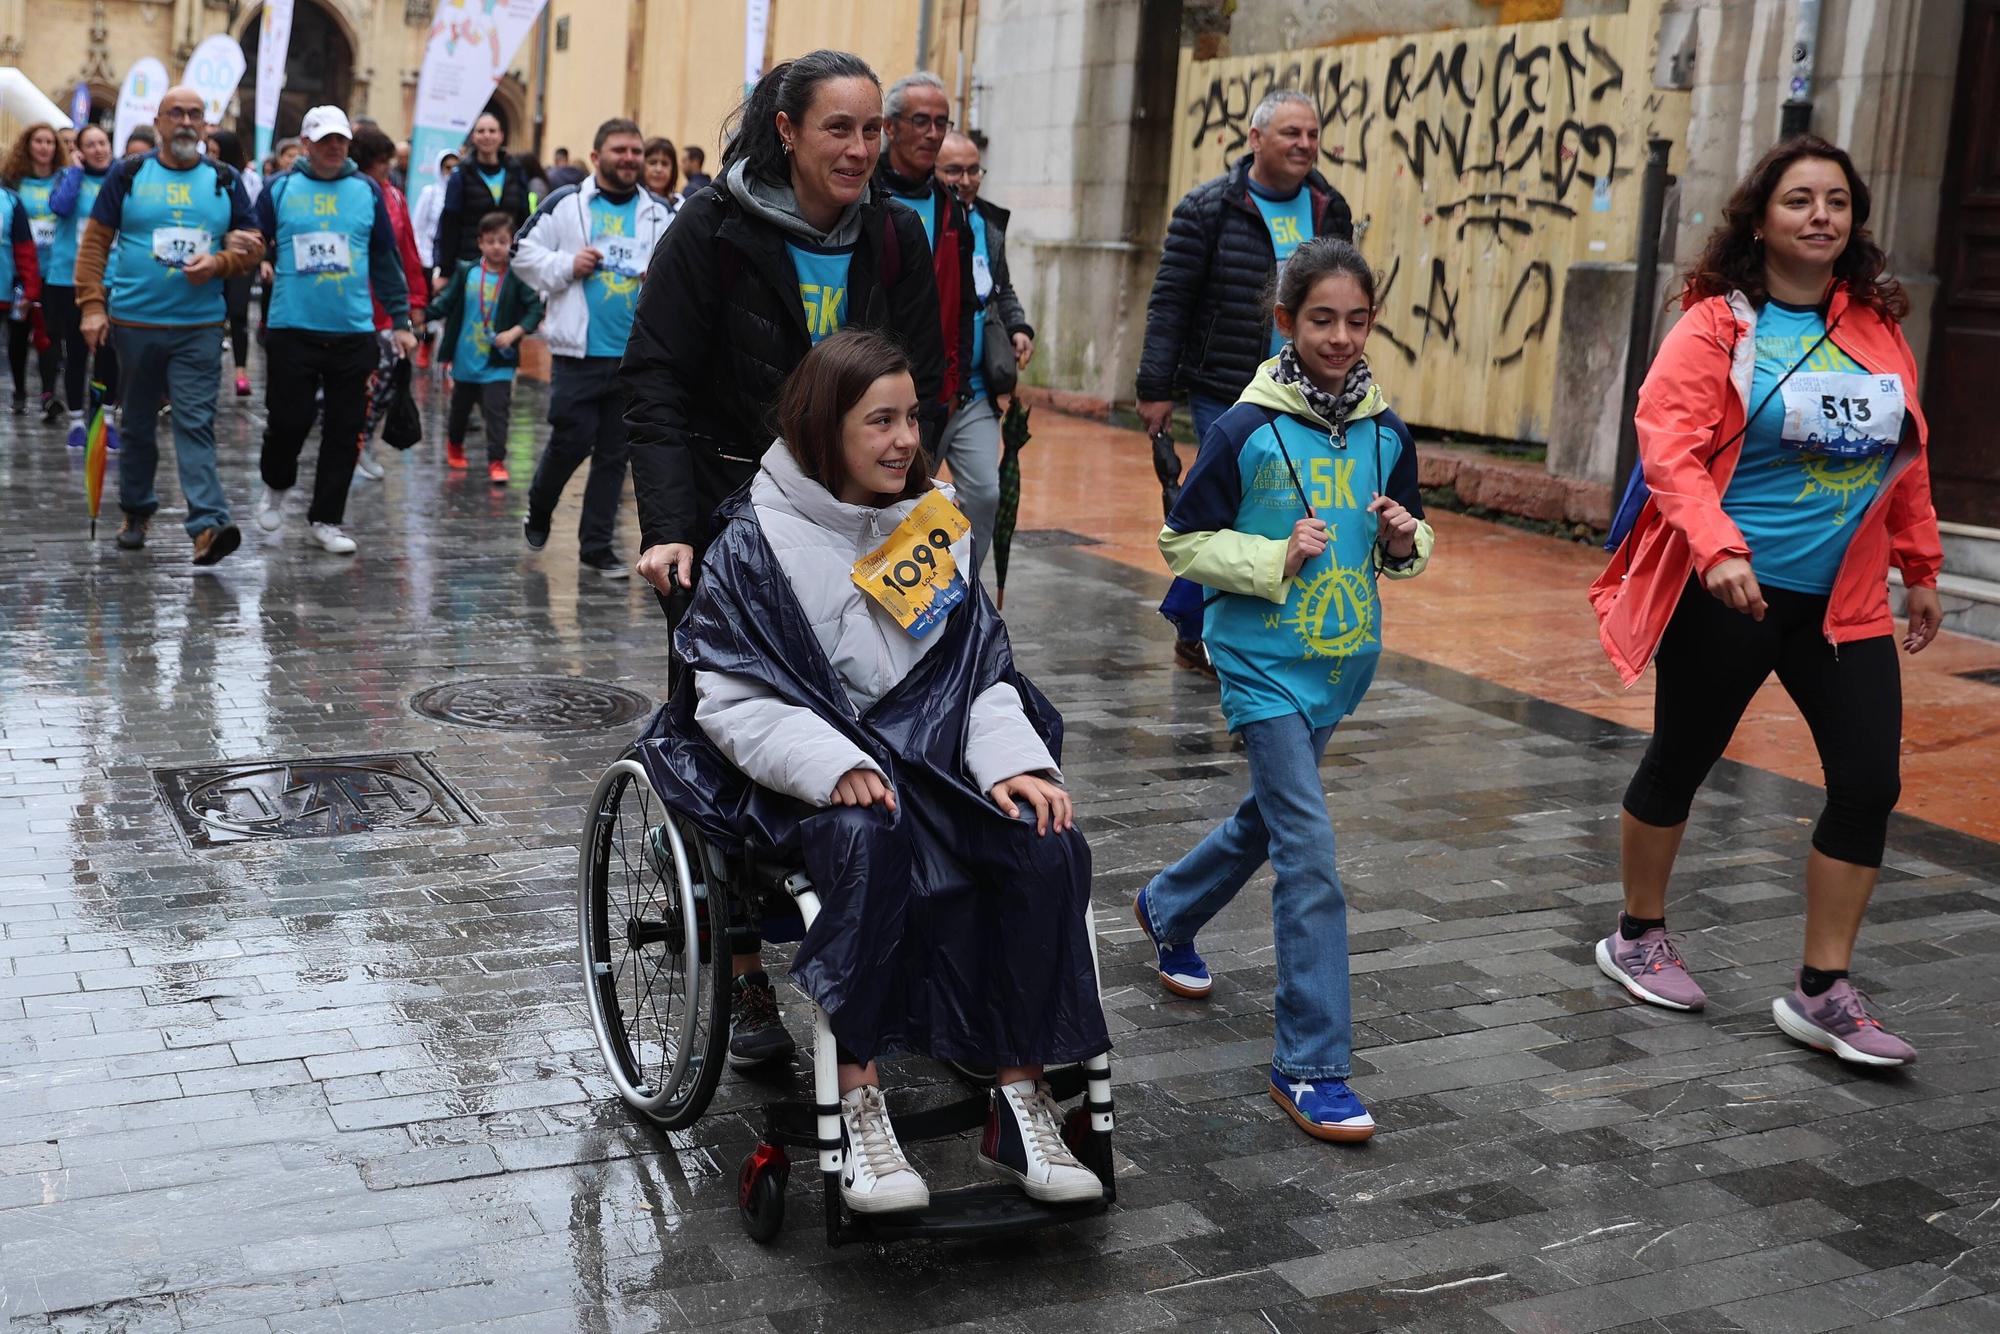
1167, 466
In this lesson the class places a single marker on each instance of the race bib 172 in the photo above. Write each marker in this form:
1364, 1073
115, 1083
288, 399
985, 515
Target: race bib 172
1843, 414
178, 247
913, 575
321, 252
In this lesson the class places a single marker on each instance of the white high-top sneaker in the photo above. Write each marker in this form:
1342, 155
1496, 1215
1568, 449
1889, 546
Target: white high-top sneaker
331, 539
1024, 1140
877, 1178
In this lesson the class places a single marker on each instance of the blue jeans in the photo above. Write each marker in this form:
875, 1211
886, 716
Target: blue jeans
1205, 410
1283, 819
187, 364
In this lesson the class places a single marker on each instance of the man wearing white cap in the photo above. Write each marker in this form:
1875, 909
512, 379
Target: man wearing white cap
330, 242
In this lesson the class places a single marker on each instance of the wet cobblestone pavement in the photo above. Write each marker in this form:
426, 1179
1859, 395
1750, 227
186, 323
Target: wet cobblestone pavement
347, 1083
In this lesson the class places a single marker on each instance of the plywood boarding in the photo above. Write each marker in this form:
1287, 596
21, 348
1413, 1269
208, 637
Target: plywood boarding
1480, 163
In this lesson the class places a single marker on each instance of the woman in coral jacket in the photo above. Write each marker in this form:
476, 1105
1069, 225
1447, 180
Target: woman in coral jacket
1784, 448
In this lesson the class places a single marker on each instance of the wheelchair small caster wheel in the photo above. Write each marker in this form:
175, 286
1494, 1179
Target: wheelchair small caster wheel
760, 1191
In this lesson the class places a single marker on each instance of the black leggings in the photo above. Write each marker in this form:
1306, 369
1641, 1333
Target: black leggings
66, 328
236, 297
18, 342
1712, 662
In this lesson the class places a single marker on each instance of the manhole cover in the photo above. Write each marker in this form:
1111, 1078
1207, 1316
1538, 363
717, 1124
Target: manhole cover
1053, 537
219, 805
532, 704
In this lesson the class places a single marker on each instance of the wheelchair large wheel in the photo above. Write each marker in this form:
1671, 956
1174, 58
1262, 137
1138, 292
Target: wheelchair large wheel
653, 914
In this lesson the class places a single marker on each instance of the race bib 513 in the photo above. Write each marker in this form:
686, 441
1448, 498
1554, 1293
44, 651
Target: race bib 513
1843, 414
913, 575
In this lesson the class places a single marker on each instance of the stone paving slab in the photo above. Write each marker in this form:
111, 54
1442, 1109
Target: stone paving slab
348, 1084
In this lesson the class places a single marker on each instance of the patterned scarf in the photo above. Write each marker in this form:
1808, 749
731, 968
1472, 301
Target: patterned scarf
1332, 408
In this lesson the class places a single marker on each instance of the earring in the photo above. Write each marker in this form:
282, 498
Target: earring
1758, 237
788, 147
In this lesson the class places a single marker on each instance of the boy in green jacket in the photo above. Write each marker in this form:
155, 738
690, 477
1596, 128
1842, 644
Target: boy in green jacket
486, 311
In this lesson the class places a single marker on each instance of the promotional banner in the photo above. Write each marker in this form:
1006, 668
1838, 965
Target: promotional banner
471, 43
79, 106
756, 30
214, 70
138, 99
274, 44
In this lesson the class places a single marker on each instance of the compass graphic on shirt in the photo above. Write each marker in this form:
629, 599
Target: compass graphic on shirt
1842, 479
1335, 617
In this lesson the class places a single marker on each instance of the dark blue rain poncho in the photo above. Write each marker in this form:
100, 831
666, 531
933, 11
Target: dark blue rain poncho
946, 927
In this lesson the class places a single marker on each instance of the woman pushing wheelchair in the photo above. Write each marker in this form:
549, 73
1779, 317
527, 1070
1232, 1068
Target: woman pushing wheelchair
853, 699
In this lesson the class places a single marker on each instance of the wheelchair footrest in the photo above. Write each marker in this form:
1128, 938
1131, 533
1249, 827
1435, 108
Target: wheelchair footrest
988, 1210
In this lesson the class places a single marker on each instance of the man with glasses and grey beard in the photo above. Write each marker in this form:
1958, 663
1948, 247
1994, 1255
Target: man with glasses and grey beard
182, 224
917, 117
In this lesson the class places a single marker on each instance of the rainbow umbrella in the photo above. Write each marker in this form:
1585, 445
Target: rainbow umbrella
96, 452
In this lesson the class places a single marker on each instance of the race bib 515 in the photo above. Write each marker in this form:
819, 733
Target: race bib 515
913, 575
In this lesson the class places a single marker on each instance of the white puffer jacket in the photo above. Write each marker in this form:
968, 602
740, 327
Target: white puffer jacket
787, 747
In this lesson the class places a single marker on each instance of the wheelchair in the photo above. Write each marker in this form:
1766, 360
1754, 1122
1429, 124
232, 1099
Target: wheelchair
656, 900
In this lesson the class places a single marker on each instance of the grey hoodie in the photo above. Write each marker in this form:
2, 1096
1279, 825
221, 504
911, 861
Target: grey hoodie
779, 206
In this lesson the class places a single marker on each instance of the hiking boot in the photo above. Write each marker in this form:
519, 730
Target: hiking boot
876, 1178
1024, 1141
1837, 1021
1323, 1108
757, 1032
1182, 969
132, 533
1651, 968
212, 544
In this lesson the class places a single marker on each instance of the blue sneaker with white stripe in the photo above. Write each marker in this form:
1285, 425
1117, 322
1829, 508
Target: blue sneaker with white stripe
1324, 1108
1181, 968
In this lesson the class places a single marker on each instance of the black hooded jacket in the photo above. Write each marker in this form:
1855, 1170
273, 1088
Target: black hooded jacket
718, 328
1208, 321
466, 201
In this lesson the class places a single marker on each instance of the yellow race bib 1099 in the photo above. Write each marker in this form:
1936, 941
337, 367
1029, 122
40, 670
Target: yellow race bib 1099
913, 574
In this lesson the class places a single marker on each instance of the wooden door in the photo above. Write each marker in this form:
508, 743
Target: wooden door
1961, 398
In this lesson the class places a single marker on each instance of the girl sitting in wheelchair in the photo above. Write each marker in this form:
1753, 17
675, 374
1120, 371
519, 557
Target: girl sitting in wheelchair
854, 703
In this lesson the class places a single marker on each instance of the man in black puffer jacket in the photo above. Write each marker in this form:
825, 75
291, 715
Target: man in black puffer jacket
1208, 322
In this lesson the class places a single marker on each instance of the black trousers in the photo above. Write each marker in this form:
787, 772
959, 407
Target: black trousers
300, 364
494, 399
587, 414
18, 342
65, 323
1713, 660
236, 293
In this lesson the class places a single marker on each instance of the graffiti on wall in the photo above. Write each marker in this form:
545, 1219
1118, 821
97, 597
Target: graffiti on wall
1479, 164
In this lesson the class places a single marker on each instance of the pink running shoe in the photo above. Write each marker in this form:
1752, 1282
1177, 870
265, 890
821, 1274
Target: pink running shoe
1837, 1021
1651, 969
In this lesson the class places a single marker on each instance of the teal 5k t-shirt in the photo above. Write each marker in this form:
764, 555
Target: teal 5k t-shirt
60, 269
1291, 224
320, 262
982, 288
925, 207
164, 218
42, 220
472, 359
822, 286
611, 292
496, 180
1796, 506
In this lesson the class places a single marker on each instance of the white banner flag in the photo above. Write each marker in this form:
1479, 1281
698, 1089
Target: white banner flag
756, 29
274, 44
139, 99
471, 44
214, 70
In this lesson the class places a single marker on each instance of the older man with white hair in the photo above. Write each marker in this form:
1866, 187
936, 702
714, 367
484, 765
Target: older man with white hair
182, 223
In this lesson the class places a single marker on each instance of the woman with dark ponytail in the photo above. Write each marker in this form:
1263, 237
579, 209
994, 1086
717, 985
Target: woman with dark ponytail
790, 246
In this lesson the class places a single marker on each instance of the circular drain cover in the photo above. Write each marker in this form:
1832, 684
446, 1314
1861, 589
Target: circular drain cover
532, 704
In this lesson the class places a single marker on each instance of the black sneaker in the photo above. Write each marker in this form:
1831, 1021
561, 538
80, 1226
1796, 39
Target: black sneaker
756, 1029
53, 410
538, 536
20, 405
607, 565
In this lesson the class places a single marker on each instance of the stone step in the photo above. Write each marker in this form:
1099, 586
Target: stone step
1971, 551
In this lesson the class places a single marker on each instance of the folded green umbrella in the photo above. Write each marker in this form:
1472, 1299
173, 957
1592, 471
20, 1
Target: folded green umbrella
1013, 435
